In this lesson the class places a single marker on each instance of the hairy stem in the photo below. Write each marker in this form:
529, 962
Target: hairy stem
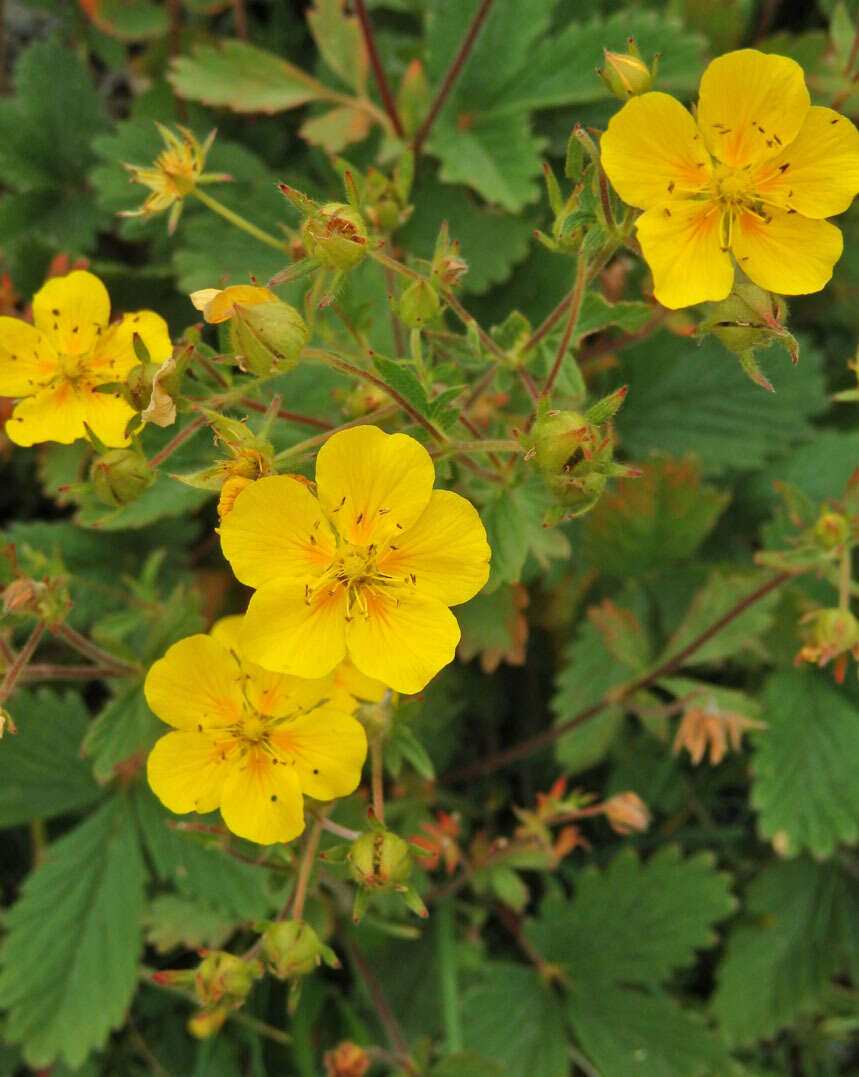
92, 651
576, 297
177, 441
16, 669
378, 70
240, 222
378, 779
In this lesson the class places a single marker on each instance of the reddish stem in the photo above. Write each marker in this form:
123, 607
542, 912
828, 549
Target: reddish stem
378, 71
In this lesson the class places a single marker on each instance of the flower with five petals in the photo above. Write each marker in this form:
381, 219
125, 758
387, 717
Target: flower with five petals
60, 366
368, 569
247, 741
753, 176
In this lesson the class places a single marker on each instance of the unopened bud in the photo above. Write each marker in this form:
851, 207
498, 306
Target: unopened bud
364, 399
380, 860
831, 634
346, 1060
750, 318
626, 812
419, 304
22, 596
223, 976
7, 724
336, 235
832, 529
206, 1023
137, 389
626, 74
120, 476
292, 948
268, 337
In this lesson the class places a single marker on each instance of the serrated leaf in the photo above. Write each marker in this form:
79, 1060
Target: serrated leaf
243, 78
782, 955
697, 400
514, 524
624, 1031
337, 128
635, 922
529, 1037
496, 156
130, 20
723, 590
200, 872
340, 41
650, 522
69, 960
589, 671
125, 727
597, 313
468, 221
805, 764
494, 627
403, 381
173, 921
41, 772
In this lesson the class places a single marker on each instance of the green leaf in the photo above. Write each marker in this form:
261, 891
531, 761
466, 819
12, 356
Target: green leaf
173, 921
514, 525
624, 1031
653, 521
243, 78
41, 772
635, 922
466, 1064
469, 221
497, 156
588, 672
69, 960
723, 590
783, 953
201, 872
805, 765
493, 627
339, 40
403, 381
683, 400
124, 728
131, 20
527, 1037
597, 313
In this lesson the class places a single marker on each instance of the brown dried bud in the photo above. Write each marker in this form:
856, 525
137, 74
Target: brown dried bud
22, 596
346, 1060
626, 812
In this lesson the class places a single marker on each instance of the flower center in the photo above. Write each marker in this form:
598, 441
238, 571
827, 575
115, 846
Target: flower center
732, 187
255, 728
355, 569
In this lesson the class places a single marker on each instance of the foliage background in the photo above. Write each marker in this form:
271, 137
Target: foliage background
723, 940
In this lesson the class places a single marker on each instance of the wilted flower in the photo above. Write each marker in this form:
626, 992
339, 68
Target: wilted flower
626, 813
707, 725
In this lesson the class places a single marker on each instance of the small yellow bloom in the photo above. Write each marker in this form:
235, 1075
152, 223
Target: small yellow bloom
368, 569
175, 173
59, 365
753, 177
219, 305
247, 741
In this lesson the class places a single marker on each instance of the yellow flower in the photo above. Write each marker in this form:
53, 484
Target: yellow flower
369, 569
59, 365
175, 173
753, 178
247, 741
218, 305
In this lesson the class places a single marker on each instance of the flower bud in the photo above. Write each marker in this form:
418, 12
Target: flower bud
7, 723
268, 336
626, 812
336, 235
380, 860
831, 634
346, 1060
206, 1023
222, 976
364, 399
419, 304
626, 74
137, 390
22, 596
750, 318
832, 529
120, 476
292, 948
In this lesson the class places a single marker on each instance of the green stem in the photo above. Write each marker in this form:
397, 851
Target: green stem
239, 221
17, 668
446, 950
501, 445
576, 297
377, 416
845, 579
306, 870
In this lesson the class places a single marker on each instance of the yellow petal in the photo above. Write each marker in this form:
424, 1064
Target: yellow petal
27, 358
221, 306
187, 770
72, 311
751, 105
107, 415
403, 641
114, 354
373, 485
652, 150
445, 554
283, 632
196, 683
351, 683
261, 800
55, 414
276, 530
818, 173
681, 243
329, 748
226, 631
788, 254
